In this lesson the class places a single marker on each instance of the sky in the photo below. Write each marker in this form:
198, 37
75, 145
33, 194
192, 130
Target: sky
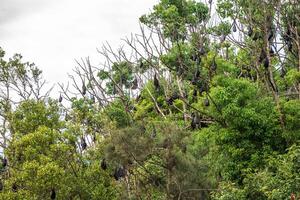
53, 33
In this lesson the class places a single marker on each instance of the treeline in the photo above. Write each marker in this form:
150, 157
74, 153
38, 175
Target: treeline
203, 103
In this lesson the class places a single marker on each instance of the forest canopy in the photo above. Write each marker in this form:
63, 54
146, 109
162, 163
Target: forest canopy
203, 103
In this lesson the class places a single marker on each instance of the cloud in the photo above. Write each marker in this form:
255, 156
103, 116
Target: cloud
54, 34
13, 9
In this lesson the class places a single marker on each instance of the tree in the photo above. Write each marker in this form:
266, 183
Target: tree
43, 158
200, 108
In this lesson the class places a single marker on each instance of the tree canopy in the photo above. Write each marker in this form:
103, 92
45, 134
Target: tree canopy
203, 103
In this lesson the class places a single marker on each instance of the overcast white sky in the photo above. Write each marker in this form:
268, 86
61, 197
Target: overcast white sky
52, 33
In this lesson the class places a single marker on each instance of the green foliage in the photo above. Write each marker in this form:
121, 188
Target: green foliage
251, 125
292, 77
196, 119
117, 113
292, 117
43, 158
120, 75
278, 180
145, 107
175, 16
223, 28
178, 59
30, 115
